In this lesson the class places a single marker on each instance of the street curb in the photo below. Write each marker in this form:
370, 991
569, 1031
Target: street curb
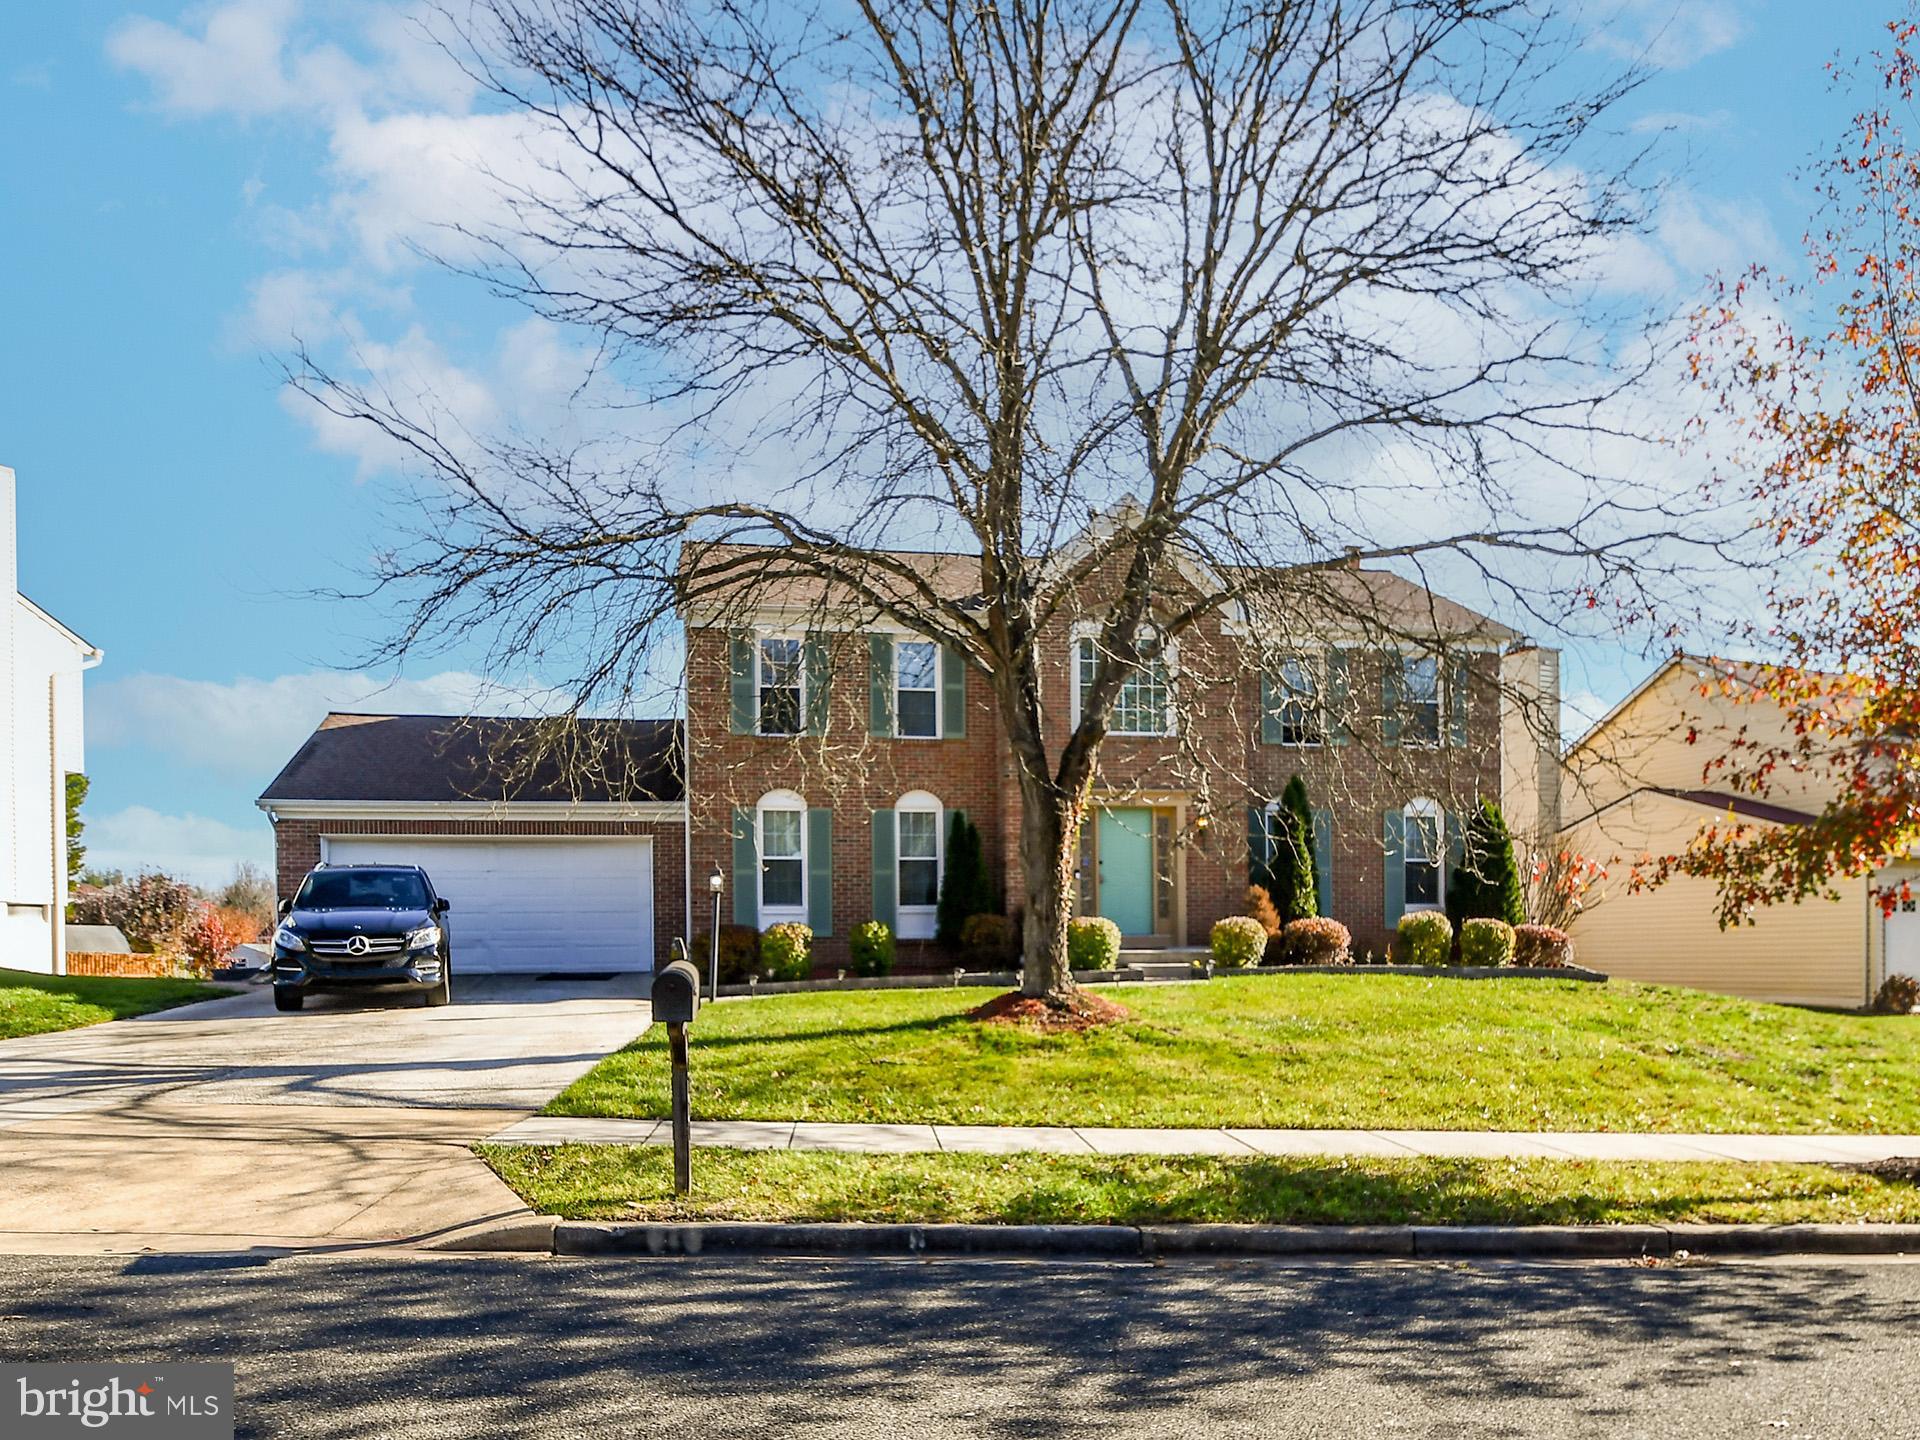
532, 1234
1147, 1242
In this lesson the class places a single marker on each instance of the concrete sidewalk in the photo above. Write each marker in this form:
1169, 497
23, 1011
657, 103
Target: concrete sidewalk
1085, 1140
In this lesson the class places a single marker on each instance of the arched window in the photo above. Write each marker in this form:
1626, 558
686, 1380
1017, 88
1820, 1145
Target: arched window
1425, 854
920, 851
781, 818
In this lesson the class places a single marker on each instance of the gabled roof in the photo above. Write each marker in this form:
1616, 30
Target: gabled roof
444, 759
65, 633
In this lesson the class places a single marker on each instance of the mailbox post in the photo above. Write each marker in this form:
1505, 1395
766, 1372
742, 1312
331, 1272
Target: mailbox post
676, 1000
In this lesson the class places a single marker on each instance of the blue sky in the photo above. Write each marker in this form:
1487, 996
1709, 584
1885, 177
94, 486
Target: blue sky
189, 187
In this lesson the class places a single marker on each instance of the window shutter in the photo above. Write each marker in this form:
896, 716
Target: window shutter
820, 872
879, 685
1396, 847
1271, 694
1259, 845
813, 655
1391, 674
1323, 861
746, 870
886, 872
740, 681
953, 694
1339, 701
1457, 688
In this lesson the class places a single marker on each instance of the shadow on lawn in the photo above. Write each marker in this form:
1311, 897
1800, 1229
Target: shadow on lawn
498, 1346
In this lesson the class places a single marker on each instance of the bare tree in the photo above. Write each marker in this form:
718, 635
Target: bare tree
1305, 282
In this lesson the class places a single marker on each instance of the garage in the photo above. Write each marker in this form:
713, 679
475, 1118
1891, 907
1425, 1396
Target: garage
530, 906
571, 863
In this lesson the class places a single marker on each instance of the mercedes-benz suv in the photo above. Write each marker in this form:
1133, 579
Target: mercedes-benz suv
354, 926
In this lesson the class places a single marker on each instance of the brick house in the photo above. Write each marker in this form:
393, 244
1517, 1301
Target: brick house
825, 750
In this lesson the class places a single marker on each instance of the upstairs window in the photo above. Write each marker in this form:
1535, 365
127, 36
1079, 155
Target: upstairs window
1144, 705
1302, 721
916, 690
1423, 855
1419, 700
780, 684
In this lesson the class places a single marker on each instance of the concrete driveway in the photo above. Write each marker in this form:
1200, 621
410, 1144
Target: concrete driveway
226, 1125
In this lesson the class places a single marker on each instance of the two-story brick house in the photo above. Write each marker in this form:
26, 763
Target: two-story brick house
825, 749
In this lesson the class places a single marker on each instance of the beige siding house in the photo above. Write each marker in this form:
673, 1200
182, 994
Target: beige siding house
1643, 782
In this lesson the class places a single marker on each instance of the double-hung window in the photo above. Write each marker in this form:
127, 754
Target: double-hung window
916, 689
1301, 718
783, 864
780, 684
1423, 855
1144, 705
1420, 700
919, 858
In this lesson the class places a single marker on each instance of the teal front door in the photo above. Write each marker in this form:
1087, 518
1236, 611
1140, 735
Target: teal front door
1126, 869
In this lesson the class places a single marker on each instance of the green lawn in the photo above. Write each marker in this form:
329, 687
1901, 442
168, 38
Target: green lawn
37, 1004
619, 1182
1296, 1051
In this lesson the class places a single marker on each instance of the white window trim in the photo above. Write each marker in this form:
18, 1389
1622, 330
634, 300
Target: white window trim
1316, 667
1425, 809
1171, 654
784, 800
1439, 740
759, 655
939, 660
918, 922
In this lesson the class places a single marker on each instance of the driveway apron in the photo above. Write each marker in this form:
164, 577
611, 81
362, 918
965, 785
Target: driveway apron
228, 1126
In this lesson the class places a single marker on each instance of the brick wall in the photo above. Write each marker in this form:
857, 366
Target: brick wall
297, 850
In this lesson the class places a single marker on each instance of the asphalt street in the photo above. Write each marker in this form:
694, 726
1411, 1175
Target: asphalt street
403, 1346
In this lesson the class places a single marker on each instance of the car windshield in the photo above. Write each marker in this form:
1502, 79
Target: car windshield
363, 890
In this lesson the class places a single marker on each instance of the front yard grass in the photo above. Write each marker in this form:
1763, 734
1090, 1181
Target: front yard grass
620, 1182
1359, 1051
38, 1004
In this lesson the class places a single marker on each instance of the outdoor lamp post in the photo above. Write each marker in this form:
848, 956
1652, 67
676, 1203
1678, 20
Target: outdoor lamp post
716, 882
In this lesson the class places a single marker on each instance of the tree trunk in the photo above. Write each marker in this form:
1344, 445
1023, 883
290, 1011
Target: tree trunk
1049, 845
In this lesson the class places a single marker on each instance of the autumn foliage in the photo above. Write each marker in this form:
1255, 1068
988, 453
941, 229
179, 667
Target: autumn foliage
1827, 416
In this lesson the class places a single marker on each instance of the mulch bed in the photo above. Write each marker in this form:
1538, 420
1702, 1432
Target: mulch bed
1082, 1010
1898, 1167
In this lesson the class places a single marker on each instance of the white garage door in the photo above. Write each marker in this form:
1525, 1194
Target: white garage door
531, 905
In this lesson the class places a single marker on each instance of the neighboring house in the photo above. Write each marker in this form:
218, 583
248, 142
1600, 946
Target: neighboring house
824, 761
575, 868
41, 664
1644, 781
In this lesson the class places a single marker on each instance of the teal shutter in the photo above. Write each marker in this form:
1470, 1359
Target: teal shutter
820, 872
746, 870
886, 872
1323, 861
1396, 848
1259, 845
1271, 694
740, 682
813, 653
1392, 674
953, 693
1339, 698
879, 684
1458, 677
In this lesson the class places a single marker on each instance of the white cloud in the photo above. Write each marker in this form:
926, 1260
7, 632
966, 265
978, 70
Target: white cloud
1667, 34
248, 728
191, 847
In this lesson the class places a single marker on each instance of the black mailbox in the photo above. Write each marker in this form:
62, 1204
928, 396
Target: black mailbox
676, 993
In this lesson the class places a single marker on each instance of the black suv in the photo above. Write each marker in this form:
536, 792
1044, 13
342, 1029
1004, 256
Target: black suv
358, 925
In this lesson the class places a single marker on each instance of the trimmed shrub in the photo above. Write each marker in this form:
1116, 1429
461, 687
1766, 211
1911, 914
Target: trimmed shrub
872, 947
1486, 942
1260, 907
786, 951
1486, 882
1315, 940
988, 941
1541, 947
1093, 943
1291, 882
1899, 994
1238, 941
965, 888
1425, 938
739, 953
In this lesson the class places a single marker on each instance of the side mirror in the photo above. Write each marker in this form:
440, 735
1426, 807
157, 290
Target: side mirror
441, 906
284, 909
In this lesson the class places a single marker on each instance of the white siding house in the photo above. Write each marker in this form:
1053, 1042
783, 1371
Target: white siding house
41, 664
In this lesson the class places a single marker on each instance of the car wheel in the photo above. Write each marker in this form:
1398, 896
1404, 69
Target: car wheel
285, 997
442, 993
